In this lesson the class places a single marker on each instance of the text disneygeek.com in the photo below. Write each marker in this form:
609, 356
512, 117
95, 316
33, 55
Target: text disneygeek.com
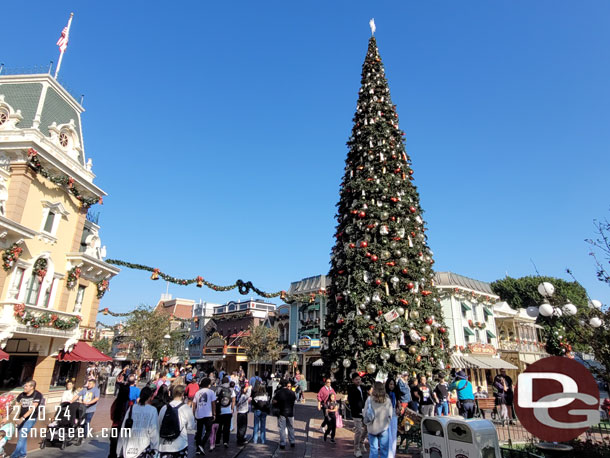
63, 434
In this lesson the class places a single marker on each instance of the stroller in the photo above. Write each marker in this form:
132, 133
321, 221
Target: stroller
68, 426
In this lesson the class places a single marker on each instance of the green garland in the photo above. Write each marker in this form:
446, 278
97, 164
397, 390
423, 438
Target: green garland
10, 255
73, 276
44, 319
40, 268
102, 287
242, 286
60, 180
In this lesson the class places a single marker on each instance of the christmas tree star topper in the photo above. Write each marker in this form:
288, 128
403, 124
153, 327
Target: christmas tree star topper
372, 25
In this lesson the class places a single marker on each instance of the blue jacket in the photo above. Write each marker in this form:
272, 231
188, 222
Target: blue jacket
463, 388
405, 391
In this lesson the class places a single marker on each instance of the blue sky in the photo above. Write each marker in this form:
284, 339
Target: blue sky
219, 130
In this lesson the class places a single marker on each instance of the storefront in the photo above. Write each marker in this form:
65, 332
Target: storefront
222, 356
311, 361
481, 364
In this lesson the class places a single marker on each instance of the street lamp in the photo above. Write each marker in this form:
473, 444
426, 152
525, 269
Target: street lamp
293, 357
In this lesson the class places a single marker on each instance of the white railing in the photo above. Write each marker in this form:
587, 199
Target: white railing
10, 323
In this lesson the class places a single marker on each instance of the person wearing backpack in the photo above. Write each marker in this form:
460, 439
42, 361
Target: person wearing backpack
225, 406
142, 441
175, 419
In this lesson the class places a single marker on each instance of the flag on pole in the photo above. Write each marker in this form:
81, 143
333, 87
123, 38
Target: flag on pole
63, 40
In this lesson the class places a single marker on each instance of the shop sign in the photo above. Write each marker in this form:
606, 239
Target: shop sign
482, 349
241, 358
306, 343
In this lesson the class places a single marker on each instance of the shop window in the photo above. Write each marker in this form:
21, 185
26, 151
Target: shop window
16, 371
475, 314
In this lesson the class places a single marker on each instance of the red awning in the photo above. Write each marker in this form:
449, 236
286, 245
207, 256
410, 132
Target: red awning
83, 352
4, 356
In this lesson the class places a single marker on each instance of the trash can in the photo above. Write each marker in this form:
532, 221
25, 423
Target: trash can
472, 439
434, 437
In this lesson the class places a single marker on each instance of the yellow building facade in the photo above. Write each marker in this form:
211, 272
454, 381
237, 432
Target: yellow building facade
53, 273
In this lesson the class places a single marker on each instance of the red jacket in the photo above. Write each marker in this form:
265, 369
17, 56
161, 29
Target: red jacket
324, 394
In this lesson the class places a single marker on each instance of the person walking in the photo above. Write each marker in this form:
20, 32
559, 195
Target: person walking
117, 414
404, 390
425, 397
503, 394
463, 387
255, 378
261, 408
173, 434
441, 391
89, 396
29, 401
242, 405
331, 422
391, 390
204, 410
225, 406
134, 391
284, 400
191, 390
143, 440
356, 397
323, 396
161, 398
379, 426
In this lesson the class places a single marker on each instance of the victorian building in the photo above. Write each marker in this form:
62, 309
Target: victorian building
468, 313
201, 328
54, 273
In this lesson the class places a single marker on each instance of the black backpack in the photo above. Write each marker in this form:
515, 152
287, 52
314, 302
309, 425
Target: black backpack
170, 425
224, 398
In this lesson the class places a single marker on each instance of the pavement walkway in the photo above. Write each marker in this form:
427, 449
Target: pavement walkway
309, 441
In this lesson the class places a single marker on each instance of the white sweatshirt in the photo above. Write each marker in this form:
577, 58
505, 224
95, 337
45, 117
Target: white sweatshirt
145, 432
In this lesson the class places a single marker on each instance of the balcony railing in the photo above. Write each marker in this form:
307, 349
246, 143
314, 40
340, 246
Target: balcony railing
52, 327
528, 347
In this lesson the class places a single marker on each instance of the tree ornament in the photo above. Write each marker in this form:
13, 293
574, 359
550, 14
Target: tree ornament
414, 336
410, 285
369, 343
414, 314
364, 244
395, 328
412, 209
400, 311
595, 322
347, 363
413, 349
427, 329
371, 368
374, 258
545, 309
384, 355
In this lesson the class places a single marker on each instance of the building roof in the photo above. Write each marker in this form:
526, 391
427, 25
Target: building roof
309, 285
180, 308
450, 279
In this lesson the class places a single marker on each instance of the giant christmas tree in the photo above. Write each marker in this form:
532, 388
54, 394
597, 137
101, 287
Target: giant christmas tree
383, 310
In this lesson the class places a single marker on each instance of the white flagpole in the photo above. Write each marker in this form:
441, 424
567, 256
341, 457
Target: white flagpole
61, 54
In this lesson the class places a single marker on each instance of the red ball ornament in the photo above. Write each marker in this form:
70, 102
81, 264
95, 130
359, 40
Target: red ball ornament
352, 245
374, 258
368, 255
418, 359
410, 172
362, 214
412, 234
393, 218
369, 343
394, 199
442, 330
405, 271
424, 338
412, 209
378, 281
379, 312
364, 244
426, 293
429, 321
420, 254
371, 327
340, 321
410, 285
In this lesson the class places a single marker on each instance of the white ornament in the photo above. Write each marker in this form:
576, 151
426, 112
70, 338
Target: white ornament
545, 309
595, 322
595, 304
546, 289
569, 309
